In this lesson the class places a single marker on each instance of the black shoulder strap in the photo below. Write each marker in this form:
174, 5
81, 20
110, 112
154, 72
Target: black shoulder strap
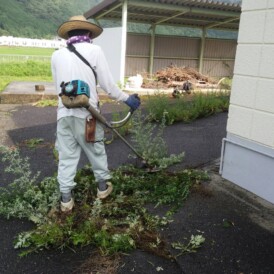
73, 49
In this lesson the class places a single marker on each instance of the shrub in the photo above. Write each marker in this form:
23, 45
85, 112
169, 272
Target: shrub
150, 144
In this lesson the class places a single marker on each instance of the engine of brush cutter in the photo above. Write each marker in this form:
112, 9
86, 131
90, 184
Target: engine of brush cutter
74, 88
75, 94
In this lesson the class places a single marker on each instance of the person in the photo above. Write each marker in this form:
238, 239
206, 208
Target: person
70, 136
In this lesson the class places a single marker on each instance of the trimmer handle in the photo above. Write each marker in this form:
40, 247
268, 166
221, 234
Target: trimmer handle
103, 120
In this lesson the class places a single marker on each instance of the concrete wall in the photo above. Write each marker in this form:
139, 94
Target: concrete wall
248, 150
110, 41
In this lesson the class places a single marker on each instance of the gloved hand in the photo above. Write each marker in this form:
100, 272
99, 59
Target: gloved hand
133, 101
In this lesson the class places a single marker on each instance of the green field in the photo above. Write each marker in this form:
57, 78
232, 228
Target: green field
9, 50
30, 71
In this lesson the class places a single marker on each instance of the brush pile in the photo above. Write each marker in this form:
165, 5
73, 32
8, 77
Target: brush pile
173, 76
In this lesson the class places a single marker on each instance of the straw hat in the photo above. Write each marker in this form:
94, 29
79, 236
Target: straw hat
78, 22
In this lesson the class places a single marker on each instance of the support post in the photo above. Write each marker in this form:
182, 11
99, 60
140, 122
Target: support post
202, 49
123, 42
151, 51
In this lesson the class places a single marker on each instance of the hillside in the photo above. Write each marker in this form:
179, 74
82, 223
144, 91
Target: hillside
38, 19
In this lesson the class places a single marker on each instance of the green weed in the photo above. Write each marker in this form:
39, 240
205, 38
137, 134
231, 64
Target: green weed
149, 142
186, 109
47, 103
24, 71
24, 197
34, 142
120, 224
28, 68
195, 242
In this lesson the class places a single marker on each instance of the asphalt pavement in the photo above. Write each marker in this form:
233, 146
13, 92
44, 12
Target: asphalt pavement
245, 246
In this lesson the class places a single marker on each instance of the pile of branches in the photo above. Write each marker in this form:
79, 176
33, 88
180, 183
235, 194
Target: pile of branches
179, 74
172, 76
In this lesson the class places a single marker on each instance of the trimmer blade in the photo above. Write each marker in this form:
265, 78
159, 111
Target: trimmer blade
148, 168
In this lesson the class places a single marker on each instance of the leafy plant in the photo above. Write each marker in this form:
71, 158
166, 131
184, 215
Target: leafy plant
46, 103
195, 242
150, 143
160, 188
225, 83
27, 68
186, 109
34, 142
207, 104
119, 224
24, 197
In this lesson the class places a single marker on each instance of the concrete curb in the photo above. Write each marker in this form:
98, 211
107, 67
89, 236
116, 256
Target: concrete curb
24, 98
25, 93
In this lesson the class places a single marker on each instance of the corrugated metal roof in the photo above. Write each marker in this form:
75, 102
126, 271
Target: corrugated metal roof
210, 14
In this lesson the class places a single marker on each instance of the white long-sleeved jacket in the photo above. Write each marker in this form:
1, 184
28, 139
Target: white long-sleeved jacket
66, 66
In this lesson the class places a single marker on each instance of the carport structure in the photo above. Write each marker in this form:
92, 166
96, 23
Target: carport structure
201, 14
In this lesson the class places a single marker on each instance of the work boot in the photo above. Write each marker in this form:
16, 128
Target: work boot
66, 207
102, 194
67, 202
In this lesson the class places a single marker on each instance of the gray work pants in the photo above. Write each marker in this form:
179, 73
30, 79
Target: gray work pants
70, 141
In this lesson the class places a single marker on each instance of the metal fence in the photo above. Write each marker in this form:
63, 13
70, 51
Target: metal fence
23, 58
218, 61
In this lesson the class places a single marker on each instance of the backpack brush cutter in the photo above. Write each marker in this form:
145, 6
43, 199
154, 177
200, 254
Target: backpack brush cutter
76, 93
113, 126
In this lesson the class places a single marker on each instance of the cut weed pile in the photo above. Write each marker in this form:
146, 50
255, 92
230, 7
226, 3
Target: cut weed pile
172, 76
118, 225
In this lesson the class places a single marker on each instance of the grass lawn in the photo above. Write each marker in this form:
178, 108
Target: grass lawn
26, 51
24, 71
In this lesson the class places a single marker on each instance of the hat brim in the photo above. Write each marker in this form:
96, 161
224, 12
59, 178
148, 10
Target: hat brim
77, 24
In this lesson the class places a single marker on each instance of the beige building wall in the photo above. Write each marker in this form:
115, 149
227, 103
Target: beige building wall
248, 150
